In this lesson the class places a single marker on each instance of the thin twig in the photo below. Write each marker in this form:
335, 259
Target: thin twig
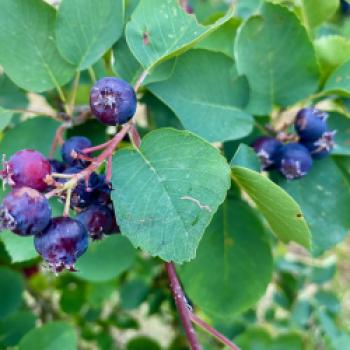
140, 80
92, 74
221, 338
67, 203
109, 168
135, 136
58, 139
182, 307
96, 148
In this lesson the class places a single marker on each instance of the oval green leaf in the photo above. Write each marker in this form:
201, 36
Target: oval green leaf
167, 192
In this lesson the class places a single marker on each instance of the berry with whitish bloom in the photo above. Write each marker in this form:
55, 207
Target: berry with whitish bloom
73, 146
62, 243
268, 150
25, 212
295, 161
321, 147
310, 124
113, 101
27, 168
98, 220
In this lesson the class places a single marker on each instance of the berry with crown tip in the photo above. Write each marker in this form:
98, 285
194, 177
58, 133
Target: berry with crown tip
75, 145
310, 124
98, 220
25, 212
27, 168
113, 101
62, 243
295, 161
321, 147
268, 150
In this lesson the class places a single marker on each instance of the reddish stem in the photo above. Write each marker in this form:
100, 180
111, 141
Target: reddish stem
182, 307
97, 148
109, 168
58, 139
140, 80
135, 136
195, 319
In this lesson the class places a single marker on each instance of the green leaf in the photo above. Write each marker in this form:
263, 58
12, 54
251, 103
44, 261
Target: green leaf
222, 39
234, 247
11, 288
14, 327
51, 336
5, 118
19, 248
246, 157
27, 45
99, 293
85, 29
10, 95
29, 134
160, 29
260, 339
279, 209
267, 64
324, 198
318, 11
142, 343
247, 8
339, 81
106, 259
204, 106
341, 124
332, 52
167, 192
133, 293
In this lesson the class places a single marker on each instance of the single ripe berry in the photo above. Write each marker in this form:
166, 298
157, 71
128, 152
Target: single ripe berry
25, 211
295, 161
85, 193
74, 146
57, 166
113, 101
310, 124
62, 243
27, 168
98, 220
268, 150
321, 147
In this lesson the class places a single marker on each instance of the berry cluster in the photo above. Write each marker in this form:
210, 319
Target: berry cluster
75, 180
294, 159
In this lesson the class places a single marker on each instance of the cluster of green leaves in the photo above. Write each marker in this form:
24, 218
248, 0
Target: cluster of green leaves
217, 75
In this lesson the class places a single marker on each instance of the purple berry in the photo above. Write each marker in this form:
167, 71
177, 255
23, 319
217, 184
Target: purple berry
98, 220
25, 211
310, 124
57, 166
27, 168
321, 147
85, 193
75, 145
295, 161
62, 243
102, 191
344, 7
113, 101
268, 150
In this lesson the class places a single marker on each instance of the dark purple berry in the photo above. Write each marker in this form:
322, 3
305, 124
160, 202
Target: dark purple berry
102, 191
310, 124
268, 150
85, 193
113, 101
321, 147
98, 220
62, 243
75, 145
25, 211
27, 168
295, 161
57, 166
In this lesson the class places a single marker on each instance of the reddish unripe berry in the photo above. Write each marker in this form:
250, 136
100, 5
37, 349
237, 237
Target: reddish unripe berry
27, 168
